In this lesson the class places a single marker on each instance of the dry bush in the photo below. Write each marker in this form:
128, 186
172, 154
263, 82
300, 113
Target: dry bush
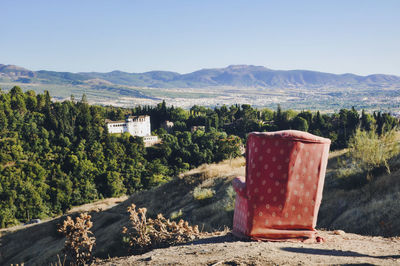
146, 234
79, 241
165, 233
137, 235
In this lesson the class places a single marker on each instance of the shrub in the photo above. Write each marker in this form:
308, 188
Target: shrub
79, 241
137, 235
145, 234
176, 214
230, 199
203, 193
370, 151
165, 233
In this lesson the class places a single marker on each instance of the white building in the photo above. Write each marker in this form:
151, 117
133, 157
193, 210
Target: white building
136, 126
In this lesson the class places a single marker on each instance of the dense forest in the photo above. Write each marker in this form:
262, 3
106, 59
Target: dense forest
54, 155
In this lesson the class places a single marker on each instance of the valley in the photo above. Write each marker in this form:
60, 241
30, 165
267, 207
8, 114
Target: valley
237, 84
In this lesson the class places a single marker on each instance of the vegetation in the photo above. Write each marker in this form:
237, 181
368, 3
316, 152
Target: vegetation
54, 155
371, 210
370, 151
176, 214
144, 234
203, 193
79, 241
230, 201
362, 201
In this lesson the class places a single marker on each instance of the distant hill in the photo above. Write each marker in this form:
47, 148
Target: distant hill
235, 76
15, 73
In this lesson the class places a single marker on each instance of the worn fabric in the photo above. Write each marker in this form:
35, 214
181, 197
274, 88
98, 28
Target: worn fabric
280, 197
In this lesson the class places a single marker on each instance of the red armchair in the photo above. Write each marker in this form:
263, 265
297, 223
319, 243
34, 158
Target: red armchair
280, 197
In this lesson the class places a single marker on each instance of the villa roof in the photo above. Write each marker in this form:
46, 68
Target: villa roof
137, 116
108, 121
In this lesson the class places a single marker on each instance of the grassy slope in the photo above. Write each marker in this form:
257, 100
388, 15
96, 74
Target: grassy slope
373, 209
39, 244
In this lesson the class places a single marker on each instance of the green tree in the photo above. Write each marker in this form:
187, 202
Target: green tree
367, 121
115, 185
299, 123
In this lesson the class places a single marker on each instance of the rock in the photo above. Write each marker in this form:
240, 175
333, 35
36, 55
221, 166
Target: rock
339, 232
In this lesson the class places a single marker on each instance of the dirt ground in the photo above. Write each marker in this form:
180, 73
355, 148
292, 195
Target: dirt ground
339, 248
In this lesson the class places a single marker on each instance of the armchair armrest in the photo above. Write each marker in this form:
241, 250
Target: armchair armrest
239, 184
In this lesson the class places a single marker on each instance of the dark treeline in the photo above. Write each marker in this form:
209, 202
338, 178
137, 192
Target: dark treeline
54, 155
239, 120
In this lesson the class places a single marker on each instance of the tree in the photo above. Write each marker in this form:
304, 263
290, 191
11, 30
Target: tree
115, 185
156, 173
229, 147
299, 123
367, 121
282, 119
17, 99
3, 121
267, 114
318, 125
179, 114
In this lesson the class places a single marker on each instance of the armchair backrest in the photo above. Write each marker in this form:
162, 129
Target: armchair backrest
285, 172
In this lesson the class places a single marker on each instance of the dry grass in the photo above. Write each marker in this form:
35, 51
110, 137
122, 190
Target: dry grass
225, 168
98, 205
370, 209
178, 196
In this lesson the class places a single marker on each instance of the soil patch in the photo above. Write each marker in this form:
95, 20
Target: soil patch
339, 248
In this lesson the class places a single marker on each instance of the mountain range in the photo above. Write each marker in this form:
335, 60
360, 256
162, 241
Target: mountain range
240, 76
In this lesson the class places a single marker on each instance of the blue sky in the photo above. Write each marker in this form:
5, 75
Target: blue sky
361, 37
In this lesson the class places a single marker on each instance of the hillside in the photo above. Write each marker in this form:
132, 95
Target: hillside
41, 243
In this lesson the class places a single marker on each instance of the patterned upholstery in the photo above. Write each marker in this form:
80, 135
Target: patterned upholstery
280, 197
